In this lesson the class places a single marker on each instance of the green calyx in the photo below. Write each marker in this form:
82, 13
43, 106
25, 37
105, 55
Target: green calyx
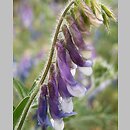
108, 12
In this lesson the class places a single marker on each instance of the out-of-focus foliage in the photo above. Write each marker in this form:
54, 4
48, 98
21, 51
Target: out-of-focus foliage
34, 24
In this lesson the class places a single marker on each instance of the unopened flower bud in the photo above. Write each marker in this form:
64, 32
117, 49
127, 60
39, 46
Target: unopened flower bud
83, 27
89, 13
73, 52
76, 34
108, 12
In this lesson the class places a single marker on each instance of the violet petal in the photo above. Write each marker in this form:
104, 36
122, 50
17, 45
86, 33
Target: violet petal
74, 88
63, 65
73, 51
76, 34
42, 116
62, 87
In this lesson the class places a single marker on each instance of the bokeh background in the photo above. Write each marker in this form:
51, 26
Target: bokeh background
33, 26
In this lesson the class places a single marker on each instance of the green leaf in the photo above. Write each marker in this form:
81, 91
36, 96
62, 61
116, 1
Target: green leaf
18, 110
20, 88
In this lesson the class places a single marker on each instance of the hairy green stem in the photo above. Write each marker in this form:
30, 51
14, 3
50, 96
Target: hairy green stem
43, 77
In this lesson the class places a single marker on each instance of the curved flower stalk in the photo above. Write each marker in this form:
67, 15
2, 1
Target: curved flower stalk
62, 86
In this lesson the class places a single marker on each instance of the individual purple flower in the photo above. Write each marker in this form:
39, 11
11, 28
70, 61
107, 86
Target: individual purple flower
54, 104
73, 51
66, 97
42, 116
63, 65
76, 89
56, 111
76, 34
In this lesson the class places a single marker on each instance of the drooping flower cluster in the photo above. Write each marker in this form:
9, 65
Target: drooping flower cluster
56, 97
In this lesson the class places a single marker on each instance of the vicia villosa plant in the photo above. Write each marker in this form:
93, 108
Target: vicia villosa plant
56, 94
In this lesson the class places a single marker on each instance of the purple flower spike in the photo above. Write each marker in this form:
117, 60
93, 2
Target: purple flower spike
43, 119
76, 34
73, 51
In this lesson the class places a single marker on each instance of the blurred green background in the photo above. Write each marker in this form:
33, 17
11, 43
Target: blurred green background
33, 26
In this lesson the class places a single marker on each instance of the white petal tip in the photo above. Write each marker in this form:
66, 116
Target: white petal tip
86, 70
76, 91
58, 124
67, 105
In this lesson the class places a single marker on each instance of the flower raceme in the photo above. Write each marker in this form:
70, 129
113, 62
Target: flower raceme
56, 98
